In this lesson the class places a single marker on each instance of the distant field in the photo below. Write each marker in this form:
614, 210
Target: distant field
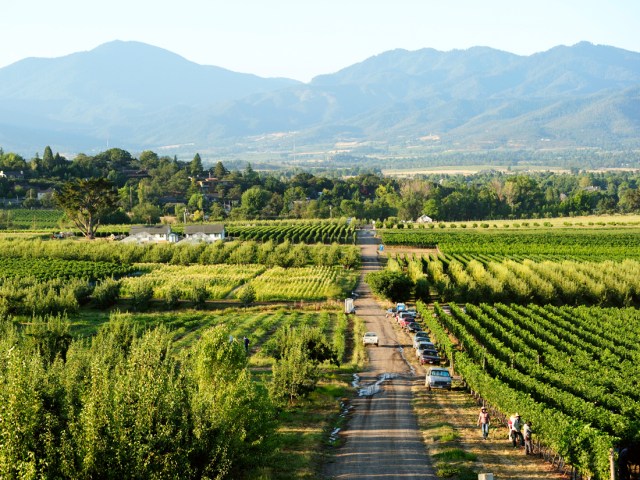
579, 221
25, 219
473, 169
468, 170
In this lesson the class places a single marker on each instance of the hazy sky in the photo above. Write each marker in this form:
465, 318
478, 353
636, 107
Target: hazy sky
303, 38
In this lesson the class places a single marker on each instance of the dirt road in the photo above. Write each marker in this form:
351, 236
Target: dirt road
382, 439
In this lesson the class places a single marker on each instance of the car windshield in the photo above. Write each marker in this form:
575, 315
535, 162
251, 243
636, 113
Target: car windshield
370, 334
439, 373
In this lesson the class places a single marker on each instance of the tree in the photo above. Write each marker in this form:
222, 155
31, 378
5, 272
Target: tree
146, 213
395, 286
254, 200
86, 201
195, 167
247, 295
220, 171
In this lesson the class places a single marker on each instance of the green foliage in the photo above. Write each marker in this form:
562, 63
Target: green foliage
536, 360
247, 295
123, 403
299, 351
141, 295
106, 292
392, 285
199, 295
86, 201
171, 296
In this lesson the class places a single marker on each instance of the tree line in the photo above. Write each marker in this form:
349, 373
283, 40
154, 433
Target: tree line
151, 186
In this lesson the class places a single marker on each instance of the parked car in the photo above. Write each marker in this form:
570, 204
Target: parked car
391, 312
370, 338
401, 307
405, 321
438, 377
425, 347
420, 337
429, 357
413, 327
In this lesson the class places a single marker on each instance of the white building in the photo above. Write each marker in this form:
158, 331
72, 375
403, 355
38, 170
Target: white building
151, 234
204, 233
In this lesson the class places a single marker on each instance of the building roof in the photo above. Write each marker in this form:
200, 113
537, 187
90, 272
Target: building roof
214, 228
151, 229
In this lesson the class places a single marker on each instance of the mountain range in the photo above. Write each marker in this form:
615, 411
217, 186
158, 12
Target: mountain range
136, 96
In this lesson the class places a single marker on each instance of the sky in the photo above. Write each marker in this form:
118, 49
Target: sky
300, 39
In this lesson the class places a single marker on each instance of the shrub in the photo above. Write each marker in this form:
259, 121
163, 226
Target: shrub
141, 295
171, 296
394, 286
199, 295
106, 292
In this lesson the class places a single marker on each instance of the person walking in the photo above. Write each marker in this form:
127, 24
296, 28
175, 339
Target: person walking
483, 421
246, 344
528, 438
516, 433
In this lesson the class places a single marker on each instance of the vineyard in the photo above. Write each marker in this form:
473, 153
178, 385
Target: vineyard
541, 321
27, 219
299, 233
523, 279
269, 253
311, 283
217, 282
571, 370
606, 244
48, 269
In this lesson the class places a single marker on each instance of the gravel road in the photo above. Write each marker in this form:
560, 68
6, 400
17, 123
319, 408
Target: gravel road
382, 439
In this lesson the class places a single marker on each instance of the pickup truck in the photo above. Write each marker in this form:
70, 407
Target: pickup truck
370, 338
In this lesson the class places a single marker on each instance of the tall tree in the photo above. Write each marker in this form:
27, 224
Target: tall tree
86, 202
220, 171
47, 159
195, 167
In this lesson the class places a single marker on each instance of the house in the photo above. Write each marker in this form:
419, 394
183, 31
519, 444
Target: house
151, 234
204, 233
45, 193
12, 174
424, 219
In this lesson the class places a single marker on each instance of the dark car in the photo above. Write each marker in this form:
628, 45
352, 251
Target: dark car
429, 357
425, 347
413, 327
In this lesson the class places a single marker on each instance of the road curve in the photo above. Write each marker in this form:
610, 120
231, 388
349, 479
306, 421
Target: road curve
382, 439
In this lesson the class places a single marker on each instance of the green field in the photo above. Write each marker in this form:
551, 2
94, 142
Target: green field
569, 370
26, 219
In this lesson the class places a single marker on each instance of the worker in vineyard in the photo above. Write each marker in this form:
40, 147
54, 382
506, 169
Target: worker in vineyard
528, 438
246, 344
483, 421
516, 431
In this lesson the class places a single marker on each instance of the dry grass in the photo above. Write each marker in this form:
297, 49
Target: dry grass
448, 424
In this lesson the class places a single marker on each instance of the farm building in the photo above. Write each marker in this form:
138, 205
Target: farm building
151, 234
204, 233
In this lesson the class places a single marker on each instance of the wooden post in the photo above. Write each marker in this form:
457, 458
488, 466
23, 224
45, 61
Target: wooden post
612, 465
